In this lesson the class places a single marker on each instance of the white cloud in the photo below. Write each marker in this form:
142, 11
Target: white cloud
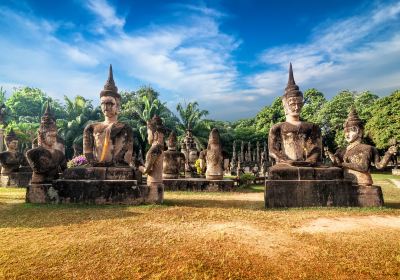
352, 53
106, 13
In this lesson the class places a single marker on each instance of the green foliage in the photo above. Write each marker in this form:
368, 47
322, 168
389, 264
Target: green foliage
314, 100
246, 179
270, 115
384, 123
28, 104
25, 131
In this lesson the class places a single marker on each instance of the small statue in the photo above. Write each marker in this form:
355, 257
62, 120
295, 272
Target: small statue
154, 159
11, 160
109, 143
46, 161
172, 159
357, 157
242, 156
214, 158
294, 142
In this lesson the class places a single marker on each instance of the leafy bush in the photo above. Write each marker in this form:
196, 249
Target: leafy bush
246, 179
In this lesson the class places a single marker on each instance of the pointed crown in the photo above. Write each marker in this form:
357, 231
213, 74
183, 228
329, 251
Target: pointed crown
214, 136
48, 121
292, 90
110, 89
353, 119
11, 136
171, 143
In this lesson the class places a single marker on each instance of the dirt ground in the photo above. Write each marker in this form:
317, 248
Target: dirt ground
199, 236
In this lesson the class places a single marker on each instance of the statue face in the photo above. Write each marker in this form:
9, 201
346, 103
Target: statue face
12, 145
50, 138
352, 134
109, 106
293, 105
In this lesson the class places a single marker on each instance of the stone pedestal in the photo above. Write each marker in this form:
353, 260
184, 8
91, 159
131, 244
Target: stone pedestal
93, 185
198, 184
15, 179
289, 186
369, 196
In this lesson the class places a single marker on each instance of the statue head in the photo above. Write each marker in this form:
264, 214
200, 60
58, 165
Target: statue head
110, 100
353, 127
171, 143
155, 130
47, 134
293, 98
11, 141
214, 137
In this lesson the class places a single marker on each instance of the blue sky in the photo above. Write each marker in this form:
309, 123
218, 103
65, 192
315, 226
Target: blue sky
231, 56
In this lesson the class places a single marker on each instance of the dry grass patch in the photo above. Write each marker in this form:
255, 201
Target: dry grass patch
198, 236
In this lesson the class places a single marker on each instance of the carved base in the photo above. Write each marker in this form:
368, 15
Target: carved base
369, 196
289, 186
15, 179
198, 184
88, 191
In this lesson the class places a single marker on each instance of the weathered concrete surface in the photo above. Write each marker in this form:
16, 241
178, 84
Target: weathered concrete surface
198, 184
88, 191
289, 186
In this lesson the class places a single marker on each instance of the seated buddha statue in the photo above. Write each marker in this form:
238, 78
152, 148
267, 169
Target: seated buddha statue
294, 142
357, 157
46, 160
11, 160
108, 143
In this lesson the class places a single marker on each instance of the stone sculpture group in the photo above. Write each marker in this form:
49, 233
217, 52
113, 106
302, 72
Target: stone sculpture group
113, 172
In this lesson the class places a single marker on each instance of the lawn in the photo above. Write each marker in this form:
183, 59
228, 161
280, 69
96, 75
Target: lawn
199, 236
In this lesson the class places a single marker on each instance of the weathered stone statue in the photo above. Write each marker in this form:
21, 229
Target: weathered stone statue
173, 159
109, 143
294, 142
46, 161
298, 179
257, 159
356, 161
11, 160
191, 154
154, 159
214, 158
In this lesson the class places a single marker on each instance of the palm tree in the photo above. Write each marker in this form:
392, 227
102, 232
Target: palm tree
191, 117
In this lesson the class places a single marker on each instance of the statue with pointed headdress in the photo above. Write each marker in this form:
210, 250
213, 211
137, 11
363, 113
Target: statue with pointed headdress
153, 167
173, 159
294, 142
109, 143
357, 157
46, 160
11, 160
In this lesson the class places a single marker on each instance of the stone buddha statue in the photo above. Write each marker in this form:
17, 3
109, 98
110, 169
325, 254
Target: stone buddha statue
46, 160
11, 160
154, 159
214, 158
294, 142
357, 157
173, 159
109, 143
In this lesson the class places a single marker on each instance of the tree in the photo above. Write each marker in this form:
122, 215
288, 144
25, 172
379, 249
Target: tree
191, 117
270, 115
384, 123
141, 106
79, 113
28, 104
314, 100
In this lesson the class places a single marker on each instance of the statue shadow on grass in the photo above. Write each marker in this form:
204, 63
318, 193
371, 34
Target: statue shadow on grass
26, 215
